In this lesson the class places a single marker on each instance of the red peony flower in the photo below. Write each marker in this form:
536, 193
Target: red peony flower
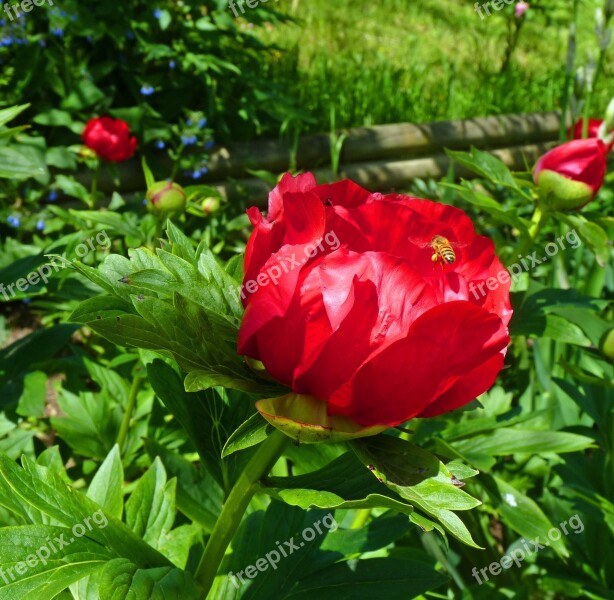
348, 302
572, 173
578, 129
109, 138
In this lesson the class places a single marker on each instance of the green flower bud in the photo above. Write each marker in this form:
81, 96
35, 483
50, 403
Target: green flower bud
607, 344
210, 205
166, 196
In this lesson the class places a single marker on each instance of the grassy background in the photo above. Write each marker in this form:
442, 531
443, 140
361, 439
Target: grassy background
422, 60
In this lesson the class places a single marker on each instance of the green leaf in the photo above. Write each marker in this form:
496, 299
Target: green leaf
342, 484
489, 205
8, 114
524, 516
251, 432
318, 558
107, 485
149, 178
368, 579
39, 495
121, 579
34, 397
35, 567
90, 424
150, 510
199, 496
591, 235
200, 379
509, 441
487, 166
54, 118
420, 478
16, 164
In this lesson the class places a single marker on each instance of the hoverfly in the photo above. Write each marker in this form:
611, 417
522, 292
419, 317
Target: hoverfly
443, 249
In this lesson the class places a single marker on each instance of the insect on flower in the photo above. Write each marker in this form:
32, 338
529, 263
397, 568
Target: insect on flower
443, 249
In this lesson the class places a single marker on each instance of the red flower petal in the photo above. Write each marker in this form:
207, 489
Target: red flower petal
443, 345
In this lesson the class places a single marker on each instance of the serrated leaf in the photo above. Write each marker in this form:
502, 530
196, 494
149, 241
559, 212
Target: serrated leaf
121, 579
420, 478
106, 488
150, 510
52, 567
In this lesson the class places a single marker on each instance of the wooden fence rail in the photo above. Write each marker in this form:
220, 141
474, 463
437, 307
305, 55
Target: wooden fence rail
383, 157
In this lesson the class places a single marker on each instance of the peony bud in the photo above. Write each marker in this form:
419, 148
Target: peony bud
521, 8
577, 130
109, 138
165, 196
607, 344
571, 174
210, 205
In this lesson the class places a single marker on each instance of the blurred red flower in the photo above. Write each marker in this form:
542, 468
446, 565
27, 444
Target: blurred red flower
345, 303
109, 138
577, 129
572, 173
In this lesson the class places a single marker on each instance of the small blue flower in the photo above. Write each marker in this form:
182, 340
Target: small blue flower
2, 22
188, 122
147, 90
40, 225
202, 123
144, 201
6, 41
197, 174
53, 195
160, 145
14, 221
42, 43
188, 140
63, 13
172, 64
26, 301
57, 31
90, 39
157, 13
129, 35
209, 145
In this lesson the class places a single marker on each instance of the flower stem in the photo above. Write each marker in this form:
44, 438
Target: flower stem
123, 430
94, 188
232, 512
539, 218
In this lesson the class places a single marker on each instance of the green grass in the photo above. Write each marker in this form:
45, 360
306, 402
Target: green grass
419, 60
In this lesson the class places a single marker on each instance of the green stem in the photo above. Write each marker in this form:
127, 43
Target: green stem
94, 189
361, 518
595, 281
539, 218
237, 502
123, 430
